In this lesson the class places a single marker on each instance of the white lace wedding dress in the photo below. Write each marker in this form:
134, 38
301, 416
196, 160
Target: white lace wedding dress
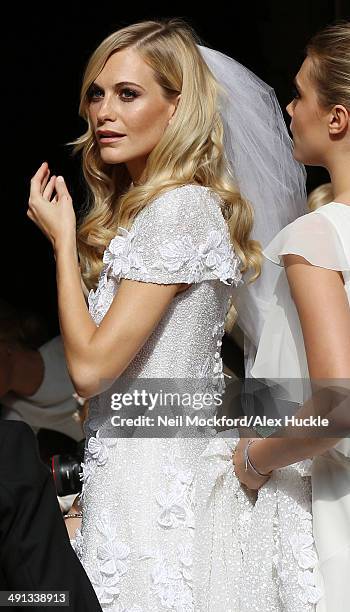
166, 525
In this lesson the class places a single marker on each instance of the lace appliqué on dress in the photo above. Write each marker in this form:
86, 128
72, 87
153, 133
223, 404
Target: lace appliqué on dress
96, 455
176, 502
259, 548
189, 263
171, 578
215, 255
112, 561
121, 255
296, 549
172, 581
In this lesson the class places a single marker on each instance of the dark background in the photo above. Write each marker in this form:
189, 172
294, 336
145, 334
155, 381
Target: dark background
45, 52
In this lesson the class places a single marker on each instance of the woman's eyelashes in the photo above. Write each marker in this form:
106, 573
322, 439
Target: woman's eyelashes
133, 93
93, 94
295, 93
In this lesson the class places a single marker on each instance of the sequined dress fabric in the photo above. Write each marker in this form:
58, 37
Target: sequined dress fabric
166, 525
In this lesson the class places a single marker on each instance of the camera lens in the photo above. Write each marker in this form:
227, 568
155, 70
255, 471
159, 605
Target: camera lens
66, 470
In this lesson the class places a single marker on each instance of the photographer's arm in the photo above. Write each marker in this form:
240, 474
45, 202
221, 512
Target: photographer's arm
72, 524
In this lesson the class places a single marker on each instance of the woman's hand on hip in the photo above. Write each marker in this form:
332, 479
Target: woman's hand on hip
246, 477
54, 216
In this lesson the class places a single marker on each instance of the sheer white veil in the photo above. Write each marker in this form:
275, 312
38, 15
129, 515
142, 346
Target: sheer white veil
259, 155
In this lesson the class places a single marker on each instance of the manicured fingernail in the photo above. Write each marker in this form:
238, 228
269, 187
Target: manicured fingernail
60, 179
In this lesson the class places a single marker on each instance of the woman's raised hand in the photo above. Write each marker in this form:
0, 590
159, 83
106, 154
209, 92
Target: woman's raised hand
54, 216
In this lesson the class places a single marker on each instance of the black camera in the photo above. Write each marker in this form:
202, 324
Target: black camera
66, 470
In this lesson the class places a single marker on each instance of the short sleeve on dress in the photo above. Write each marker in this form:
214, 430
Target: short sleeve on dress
316, 237
179, 237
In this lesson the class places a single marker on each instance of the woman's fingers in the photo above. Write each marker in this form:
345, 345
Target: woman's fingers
36, 181
41, 186
61, 188
48, 191
44, 181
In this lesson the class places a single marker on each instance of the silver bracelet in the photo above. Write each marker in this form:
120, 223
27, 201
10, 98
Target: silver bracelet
73, 515
249, 463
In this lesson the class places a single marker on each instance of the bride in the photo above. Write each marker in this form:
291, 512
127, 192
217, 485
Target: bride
179, 138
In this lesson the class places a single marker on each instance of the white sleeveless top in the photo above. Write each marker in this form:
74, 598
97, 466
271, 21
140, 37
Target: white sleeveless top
322, 238
53, 405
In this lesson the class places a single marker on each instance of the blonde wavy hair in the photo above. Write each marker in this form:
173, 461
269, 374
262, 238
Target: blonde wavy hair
190, 150
321, 195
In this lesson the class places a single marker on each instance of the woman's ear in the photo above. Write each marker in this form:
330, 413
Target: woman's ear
339, 120
174, 111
